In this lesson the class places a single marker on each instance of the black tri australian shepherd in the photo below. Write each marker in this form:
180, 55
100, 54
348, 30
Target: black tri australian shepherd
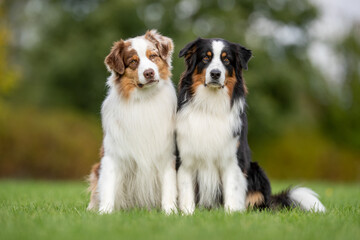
214, 162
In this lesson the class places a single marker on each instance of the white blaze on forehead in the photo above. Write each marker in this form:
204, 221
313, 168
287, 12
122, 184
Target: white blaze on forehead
216, 63
217, 47
140, 45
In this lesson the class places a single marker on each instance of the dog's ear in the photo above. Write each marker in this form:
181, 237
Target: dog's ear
189, 53
164, 44
243, 56
189, 49
114, 61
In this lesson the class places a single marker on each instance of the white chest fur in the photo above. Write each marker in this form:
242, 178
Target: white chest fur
140, 129
205, 137
205, 126
139, 147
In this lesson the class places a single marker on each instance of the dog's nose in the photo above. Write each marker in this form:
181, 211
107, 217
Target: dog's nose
149, 73
215, 74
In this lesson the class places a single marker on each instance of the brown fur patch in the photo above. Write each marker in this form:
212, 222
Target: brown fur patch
130, 79
93, 180
198, 79
190, 52
254, 199
115, 58
128, 82
163, 67
95, 169
209, 53
223, 54
164, 44
164, 70
230, 83
124, 62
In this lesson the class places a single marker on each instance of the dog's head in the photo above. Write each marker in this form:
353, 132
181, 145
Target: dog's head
140, 63
214, 64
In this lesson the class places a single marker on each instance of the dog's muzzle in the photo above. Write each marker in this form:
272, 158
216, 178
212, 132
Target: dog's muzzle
149, 75
215, 75
148, 83
214, 84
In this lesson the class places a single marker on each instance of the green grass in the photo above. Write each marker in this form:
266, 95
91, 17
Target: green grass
57, 210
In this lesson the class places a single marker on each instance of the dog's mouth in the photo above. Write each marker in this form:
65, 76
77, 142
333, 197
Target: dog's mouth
148, 83
214, 84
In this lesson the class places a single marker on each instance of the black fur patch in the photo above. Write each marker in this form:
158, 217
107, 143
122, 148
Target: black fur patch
243, 151
258, 182
281, 200
177, 155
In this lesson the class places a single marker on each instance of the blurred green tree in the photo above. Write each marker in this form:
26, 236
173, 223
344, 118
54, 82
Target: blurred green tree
341, 114
8, 75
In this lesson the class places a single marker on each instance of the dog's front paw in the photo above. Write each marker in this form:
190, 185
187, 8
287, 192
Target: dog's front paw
106, 209
230, 208
188, 210
169, 209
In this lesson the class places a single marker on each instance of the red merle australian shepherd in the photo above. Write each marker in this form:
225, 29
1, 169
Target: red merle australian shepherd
137, 168
214, 164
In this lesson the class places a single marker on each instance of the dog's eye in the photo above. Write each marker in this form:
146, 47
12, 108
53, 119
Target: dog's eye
134, 61
226, 61
153, 56
206, 59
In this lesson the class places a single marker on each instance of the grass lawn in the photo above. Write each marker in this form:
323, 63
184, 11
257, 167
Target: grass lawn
57, 210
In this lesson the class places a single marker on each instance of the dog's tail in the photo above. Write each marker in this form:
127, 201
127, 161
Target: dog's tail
302, 197
259, 194
93, 183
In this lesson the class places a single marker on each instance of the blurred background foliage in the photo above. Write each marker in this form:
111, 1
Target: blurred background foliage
303, 112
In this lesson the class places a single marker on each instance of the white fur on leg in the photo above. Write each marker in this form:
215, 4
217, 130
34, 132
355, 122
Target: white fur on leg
186, 191
108, 185
235, 186
208, 179
306, 199
169, 189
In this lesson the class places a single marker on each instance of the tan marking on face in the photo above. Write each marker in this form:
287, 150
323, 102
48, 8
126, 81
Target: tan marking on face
209, 54
254, 199
190, 52
230, 82
198, 79
132, 61
162, 65
130, 58
128, 81
124, 62
223, 54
